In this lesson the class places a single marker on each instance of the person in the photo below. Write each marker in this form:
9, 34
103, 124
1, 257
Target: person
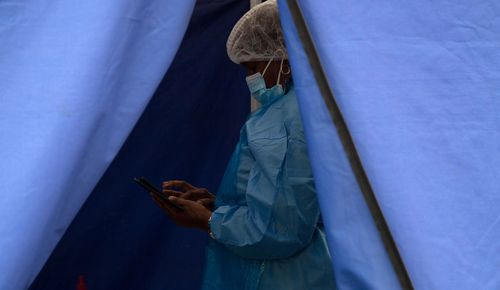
265, 220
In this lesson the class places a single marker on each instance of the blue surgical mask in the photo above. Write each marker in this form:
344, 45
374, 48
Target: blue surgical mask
257, 86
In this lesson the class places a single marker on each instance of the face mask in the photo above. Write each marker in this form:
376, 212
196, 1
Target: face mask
257, 86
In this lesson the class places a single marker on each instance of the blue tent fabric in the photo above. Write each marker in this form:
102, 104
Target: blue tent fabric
416, 83
75, 77
358, 255
120, 239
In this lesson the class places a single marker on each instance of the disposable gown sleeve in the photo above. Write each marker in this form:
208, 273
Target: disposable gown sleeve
281, 210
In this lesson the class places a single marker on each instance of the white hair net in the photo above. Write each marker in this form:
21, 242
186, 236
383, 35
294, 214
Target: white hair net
257, 35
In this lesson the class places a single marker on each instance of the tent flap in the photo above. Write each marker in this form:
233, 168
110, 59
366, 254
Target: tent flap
416, 86
75, 78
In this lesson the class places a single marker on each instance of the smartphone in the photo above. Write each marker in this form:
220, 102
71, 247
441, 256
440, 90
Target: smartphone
148, 186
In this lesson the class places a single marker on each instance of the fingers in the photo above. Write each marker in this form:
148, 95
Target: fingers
181, 184
207, 203
181, 188
183, 202
171, 211
196, 194
170, 192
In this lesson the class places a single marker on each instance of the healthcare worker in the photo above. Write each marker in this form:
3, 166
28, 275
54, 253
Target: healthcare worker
265, 224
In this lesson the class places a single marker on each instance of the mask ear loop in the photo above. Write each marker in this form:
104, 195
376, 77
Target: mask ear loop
279, 73
288, 71
268, 63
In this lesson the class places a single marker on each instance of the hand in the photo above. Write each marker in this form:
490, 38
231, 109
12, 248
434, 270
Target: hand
184, 190
194, 215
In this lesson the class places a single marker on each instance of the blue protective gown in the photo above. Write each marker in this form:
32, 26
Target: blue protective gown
267, 226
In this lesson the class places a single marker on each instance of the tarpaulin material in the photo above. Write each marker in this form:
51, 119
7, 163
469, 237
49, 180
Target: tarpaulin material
417, 86
358, 256
120, 239
75, 77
